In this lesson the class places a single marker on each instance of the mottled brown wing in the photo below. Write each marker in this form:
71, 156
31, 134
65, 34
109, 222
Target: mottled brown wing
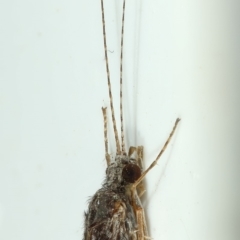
110, 217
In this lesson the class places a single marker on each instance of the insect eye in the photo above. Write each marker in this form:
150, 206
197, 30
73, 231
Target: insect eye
131, 173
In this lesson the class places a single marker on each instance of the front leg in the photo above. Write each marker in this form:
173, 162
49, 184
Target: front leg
142, 232
141, 186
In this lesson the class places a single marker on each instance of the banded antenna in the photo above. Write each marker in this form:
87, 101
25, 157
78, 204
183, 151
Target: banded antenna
119, 150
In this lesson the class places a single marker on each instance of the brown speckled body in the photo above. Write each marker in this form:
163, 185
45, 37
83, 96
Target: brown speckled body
110, 214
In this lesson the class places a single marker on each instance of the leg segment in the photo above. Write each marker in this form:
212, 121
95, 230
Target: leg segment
159, 155
142, 232
141, 186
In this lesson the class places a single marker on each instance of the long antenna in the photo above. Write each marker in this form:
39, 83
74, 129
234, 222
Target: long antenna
107, 156
121, 67
109, 83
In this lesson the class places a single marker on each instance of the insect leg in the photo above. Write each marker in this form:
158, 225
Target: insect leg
159, 155
142, 232
141, 186
137, 153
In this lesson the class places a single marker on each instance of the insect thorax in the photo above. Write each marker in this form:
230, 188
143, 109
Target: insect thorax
122, 172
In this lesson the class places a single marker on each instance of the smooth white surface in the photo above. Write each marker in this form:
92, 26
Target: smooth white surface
181, 59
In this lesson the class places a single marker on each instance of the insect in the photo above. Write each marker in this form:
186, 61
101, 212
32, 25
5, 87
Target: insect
115, 211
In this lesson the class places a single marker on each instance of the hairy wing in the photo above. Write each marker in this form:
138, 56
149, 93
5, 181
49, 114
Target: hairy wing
110, 216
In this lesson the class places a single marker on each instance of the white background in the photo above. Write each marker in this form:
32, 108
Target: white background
181, 59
